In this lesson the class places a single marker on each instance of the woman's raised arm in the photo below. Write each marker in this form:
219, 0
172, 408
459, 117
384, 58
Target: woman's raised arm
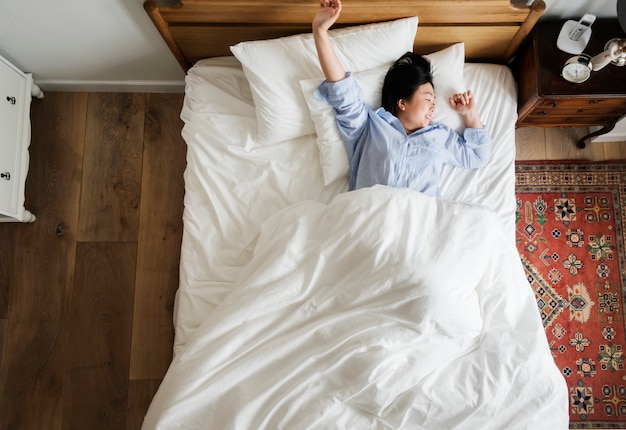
326, 16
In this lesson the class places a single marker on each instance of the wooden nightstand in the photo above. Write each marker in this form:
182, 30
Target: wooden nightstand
547, 100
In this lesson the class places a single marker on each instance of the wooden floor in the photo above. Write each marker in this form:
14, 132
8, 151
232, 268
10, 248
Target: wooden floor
86, 292
559, 144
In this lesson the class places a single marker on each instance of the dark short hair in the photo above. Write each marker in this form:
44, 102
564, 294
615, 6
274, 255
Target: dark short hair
403, 78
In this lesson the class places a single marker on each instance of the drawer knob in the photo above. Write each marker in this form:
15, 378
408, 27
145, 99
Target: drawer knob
6, 176
11, 100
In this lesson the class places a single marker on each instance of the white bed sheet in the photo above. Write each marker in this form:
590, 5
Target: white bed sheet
233, 184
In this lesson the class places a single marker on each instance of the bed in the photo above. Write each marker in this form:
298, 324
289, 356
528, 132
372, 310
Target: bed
302, 305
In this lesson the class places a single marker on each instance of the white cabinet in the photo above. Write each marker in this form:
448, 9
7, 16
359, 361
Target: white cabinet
16, 91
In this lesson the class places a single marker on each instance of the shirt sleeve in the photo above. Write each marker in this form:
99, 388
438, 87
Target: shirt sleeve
472, 150
351, 113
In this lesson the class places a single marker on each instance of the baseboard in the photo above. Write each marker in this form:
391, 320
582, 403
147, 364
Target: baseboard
112, 86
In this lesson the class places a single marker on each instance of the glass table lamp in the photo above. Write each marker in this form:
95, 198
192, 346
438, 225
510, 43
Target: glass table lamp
615, 49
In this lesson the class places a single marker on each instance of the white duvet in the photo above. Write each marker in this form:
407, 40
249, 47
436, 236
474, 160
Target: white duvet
233, 183
382, 309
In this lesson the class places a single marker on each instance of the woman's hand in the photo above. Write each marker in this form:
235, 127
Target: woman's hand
463, 102
326, 15
464, 105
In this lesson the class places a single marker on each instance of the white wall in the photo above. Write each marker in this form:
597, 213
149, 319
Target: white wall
618, 134
575, 9
111, 45
92, 45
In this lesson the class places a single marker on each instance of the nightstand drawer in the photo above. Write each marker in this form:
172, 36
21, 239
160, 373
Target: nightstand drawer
588, 103
12, 117
568, 121
16, 89
561, 110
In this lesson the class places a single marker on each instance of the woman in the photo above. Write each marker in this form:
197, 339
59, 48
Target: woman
396, 145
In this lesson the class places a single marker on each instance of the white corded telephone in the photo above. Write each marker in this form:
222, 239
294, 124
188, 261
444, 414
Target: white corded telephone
574, 36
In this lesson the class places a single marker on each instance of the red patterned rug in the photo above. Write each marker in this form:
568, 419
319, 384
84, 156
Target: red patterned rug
570, 236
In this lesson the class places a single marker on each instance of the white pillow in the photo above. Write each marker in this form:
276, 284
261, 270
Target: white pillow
447, 70
275, 67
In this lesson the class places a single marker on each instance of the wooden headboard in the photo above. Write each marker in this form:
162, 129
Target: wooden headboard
491, 29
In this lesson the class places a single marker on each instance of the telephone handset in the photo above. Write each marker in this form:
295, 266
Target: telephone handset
574, 36
583, 25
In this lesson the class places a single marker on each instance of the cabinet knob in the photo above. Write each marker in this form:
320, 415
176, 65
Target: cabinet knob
5, 175
11, 100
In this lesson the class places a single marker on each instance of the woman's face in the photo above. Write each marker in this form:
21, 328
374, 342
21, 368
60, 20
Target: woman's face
417, 112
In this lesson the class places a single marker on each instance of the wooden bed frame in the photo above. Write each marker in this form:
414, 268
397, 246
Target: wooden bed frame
491, 29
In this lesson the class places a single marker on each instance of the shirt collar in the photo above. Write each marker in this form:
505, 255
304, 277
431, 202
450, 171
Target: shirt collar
395, 122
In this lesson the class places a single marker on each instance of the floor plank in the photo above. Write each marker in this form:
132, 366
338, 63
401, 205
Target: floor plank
613, 150
96, 392
530, 143
112, 185
37, 327
3, 338
7, 250
562, 145
140, 394
160, 236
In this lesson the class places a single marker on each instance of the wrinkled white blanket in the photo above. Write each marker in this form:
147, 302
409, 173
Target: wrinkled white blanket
382, 309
